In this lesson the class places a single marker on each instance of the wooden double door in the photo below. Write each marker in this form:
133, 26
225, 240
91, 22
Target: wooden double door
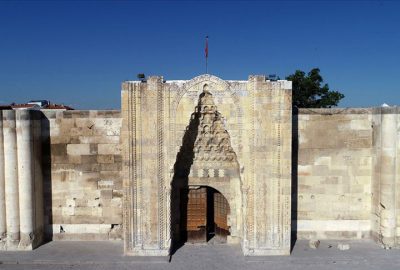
206, 212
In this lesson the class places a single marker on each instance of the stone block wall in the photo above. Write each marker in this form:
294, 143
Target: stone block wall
347, 174
344, 167
334, 169
61, 171
83, 186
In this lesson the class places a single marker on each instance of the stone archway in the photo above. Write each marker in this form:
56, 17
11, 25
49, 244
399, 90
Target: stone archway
256, 181
206, 158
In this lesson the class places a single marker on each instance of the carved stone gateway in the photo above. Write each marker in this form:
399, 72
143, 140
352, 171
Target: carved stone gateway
232, 136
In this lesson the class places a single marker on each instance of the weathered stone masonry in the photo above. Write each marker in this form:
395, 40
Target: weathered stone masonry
60, 177
83, 185
99, 175
258, 119
21, 196
347, 174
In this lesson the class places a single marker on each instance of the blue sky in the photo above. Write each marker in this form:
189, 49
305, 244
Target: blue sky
79, 52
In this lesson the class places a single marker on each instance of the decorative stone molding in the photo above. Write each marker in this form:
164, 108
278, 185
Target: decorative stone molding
258, 147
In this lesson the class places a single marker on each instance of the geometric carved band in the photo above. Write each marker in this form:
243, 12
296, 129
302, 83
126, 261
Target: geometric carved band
160, 165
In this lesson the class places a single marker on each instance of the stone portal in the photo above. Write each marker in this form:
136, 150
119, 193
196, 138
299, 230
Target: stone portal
246, 124
206, 158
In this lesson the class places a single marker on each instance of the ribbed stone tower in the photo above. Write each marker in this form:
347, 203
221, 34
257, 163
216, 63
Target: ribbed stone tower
21, 180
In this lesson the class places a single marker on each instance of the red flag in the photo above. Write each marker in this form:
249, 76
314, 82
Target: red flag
206, 49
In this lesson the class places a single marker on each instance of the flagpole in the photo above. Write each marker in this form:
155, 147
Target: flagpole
206, 65
206, 54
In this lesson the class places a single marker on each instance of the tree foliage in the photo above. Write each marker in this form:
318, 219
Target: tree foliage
308, 91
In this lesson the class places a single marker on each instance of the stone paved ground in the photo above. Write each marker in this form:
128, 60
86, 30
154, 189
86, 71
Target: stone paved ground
108, 255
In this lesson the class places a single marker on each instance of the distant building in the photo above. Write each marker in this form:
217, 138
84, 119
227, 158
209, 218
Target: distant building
35, 105
58, 107
5, 107
26, 106
41, 103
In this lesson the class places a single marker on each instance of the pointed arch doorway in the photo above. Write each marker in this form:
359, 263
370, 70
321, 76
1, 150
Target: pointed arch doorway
206, 188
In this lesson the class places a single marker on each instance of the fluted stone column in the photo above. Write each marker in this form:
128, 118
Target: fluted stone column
11, 179
3, 224
21, 194
388, 179
25, 178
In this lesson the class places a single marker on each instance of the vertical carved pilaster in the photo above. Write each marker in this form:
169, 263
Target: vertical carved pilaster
160, 164
278, 195
251, 217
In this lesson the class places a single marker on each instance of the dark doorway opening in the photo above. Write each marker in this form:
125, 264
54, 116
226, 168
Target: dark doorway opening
199, 216
206, 215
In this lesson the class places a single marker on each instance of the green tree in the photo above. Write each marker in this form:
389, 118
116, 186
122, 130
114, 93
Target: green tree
308, 91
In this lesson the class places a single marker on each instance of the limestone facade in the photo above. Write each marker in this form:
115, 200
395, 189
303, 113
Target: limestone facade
347, 174
156, 119
100, 175
334, 168
83, 184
